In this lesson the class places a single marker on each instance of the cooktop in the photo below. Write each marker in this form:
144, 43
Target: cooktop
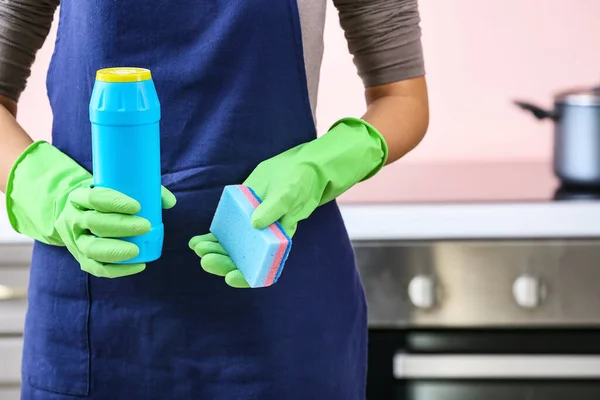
517, 182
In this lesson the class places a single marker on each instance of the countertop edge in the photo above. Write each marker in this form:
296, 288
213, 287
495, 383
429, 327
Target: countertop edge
473, 221
453, 221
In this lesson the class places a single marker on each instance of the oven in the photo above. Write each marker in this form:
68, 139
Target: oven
466, 320
14, 276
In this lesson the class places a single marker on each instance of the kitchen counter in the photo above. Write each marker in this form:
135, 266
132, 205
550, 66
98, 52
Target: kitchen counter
453, 201
469, 201
472, 221
449, 221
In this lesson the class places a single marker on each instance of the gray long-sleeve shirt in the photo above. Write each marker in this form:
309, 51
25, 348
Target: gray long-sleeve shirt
383, 37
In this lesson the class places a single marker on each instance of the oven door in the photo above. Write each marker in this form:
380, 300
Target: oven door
484, 320
485, 365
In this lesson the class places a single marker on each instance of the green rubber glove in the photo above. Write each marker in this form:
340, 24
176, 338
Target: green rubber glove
49, 198
294, 183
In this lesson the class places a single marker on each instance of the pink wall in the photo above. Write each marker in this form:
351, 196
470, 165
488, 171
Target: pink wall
34, 110
479, 55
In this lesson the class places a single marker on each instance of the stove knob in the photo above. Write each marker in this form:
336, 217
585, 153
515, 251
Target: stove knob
528, 291
421, 291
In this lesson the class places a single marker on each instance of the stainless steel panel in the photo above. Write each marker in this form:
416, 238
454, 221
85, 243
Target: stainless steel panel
14, 278
15, 254
11, 350
13, 303
458, 366
481, 283
10, 393
496, 390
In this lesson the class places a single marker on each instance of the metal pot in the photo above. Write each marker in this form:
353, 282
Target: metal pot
576, 117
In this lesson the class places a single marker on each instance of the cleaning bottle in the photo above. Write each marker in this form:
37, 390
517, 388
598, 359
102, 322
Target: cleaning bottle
125, 114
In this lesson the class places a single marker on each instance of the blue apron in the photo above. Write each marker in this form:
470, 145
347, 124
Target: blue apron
230, 76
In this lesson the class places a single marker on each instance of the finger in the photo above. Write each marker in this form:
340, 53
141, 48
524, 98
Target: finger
236, 279
299, 210
217, 264
105, 200
115, 225
107, 250
121, 270
168, 199
209, 237
303, 207
270, 210
289, 224
204, 248
111, 270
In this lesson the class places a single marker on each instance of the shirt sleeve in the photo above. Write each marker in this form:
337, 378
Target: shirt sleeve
384, 38
24, 26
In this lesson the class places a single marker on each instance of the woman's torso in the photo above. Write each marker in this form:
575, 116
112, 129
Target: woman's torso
231, 77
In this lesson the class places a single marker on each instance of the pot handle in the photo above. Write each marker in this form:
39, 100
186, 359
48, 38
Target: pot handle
538, 112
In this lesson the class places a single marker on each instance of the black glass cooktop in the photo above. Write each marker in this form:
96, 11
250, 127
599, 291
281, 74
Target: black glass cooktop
576, 193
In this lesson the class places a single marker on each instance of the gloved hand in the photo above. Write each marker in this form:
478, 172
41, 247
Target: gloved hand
294, 183
49, 198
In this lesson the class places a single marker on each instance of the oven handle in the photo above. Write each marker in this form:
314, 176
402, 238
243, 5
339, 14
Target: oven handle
421, 366
8, 293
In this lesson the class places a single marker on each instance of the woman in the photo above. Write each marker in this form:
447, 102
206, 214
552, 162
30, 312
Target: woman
237, 81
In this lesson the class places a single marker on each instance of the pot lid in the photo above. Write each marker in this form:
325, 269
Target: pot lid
579, 96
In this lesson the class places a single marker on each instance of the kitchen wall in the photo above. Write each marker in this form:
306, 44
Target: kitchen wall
480, 55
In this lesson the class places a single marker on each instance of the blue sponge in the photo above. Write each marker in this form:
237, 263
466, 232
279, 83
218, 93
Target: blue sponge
259, 254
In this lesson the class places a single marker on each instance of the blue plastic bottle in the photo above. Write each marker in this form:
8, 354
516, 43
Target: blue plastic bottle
125, 114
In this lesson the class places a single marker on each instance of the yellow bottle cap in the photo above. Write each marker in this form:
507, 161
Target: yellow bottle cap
123, 74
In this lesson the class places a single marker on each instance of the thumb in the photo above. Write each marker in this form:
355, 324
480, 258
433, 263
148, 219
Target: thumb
289, 224
268, 212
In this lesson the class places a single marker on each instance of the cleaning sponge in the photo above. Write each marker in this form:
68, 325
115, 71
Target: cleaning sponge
259, 254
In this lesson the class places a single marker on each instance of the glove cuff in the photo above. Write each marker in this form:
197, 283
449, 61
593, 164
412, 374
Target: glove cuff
377, 138
12, 218
38, 183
